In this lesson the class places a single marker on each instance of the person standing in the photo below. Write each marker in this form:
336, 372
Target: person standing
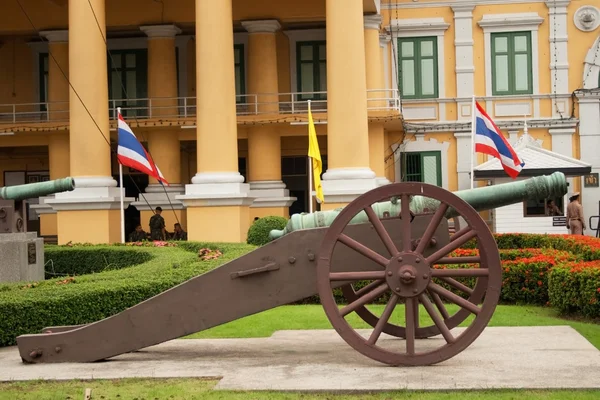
157, 225
575, 218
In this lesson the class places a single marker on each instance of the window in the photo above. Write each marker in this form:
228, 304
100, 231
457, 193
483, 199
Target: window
43, 80
511, 63
418, 67
128, 79
543, 207
311, 70
422, 167
240, 78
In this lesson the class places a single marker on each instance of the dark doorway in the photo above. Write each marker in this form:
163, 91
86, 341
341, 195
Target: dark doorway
134, 184
294, 173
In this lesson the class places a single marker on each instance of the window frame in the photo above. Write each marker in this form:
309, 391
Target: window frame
422, 154
316, 62
560, 203
239, 47
417, 77
44, 76
510, 52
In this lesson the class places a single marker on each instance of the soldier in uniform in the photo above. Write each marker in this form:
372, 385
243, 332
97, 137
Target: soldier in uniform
575, 219
179, 233
157, 225
138, 234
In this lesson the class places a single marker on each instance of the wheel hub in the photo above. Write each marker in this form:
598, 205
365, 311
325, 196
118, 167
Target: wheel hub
408, 274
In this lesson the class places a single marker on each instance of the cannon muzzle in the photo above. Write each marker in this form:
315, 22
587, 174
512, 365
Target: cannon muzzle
481, 199
40, 189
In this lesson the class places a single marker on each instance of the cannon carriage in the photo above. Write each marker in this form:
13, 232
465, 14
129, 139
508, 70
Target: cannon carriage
394, 240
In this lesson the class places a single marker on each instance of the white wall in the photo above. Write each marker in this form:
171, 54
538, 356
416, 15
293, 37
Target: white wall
509, 219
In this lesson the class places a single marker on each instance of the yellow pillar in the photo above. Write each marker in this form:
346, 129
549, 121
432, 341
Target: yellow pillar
163, 144
57, 110
217, 200
96, 198
349, 174
264, 141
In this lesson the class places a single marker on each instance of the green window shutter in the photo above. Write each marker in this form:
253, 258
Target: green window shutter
311, 70
418, 67
423, 167
128, 80
511, 63
43, 76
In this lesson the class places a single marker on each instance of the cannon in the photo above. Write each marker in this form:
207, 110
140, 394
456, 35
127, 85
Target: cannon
22, 252
12, 201
393, 240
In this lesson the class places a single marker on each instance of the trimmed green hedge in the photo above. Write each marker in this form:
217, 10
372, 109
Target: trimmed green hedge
63, 261
28, 308
574, 288
258, 233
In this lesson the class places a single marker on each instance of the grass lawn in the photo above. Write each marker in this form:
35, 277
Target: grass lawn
299, 317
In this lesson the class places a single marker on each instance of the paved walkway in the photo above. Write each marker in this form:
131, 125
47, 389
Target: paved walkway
502, 357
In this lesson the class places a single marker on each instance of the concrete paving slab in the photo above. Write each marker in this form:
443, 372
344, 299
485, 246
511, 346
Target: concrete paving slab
502, 357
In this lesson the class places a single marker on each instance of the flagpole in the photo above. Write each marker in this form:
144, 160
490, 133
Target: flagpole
310, 176
121, 190
473, 127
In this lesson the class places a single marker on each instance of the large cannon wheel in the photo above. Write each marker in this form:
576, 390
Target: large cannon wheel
422, 332
408, 275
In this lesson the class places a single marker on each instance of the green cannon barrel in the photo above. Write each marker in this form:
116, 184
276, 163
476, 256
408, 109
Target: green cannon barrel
33, 190
481, 199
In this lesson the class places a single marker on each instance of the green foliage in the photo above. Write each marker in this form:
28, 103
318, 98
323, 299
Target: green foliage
258, 234
575, 288
63, 260
28, 308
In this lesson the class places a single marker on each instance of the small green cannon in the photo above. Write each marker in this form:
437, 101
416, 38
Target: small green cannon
392, 243
12, 207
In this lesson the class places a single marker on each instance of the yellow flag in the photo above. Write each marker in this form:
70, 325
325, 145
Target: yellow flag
315, 155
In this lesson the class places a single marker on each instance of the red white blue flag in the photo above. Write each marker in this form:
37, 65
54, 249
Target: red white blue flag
132, 154
489, 140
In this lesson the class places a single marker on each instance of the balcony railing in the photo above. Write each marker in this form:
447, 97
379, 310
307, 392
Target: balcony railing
385, 100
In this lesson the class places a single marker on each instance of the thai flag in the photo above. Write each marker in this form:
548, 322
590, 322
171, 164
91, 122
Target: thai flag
489, 140
132, 154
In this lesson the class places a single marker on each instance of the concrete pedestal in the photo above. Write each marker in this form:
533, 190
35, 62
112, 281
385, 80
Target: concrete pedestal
21, 257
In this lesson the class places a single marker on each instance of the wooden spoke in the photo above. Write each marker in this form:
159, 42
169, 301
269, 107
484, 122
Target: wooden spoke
457, 285
462, 272
385, 316
356, 276
436, 319
461, 232
405, 215
410, 324
467, 305
369, 287
381, 231
459, 260
440, 305
433, 224
364, 300
364, 250
450, 247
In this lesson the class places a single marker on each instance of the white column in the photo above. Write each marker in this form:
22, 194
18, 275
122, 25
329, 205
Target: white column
463, 42
464, 157
589, 140
562, 143
559, 61
384, 41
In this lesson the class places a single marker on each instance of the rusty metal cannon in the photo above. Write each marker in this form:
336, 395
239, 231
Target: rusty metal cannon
393, 239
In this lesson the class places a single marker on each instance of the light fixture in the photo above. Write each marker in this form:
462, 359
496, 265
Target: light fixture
306, 123
188, 126
7, 133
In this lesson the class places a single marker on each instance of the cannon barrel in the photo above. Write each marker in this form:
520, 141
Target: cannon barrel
481, 199
39, 189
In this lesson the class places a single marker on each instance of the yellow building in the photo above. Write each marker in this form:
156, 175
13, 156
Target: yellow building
218, 91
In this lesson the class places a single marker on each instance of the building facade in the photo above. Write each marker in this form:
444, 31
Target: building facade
218, 91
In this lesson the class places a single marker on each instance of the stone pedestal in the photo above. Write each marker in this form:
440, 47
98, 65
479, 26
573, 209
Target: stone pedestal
21, 257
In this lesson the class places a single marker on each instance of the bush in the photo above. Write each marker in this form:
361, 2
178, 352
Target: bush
63, 260
575, 288
28, 308
258, 234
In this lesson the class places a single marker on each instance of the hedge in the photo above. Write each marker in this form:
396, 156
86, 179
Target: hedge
61, 261
258, 233
574, 288
28, 308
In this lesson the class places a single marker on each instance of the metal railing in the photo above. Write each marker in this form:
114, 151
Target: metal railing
185, 107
